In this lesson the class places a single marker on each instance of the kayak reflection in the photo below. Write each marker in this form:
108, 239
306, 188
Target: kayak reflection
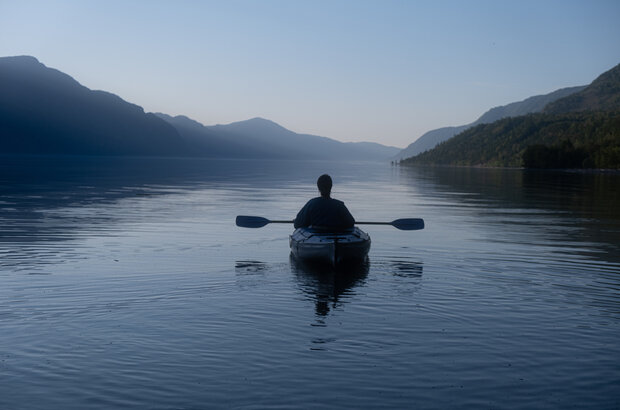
329, 287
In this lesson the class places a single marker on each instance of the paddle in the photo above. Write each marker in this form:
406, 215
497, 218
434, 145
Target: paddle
404, 224
256, 221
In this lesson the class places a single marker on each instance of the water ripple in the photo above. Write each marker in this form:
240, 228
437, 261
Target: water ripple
130, 289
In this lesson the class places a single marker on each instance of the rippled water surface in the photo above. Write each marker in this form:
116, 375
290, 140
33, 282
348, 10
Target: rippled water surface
126, 284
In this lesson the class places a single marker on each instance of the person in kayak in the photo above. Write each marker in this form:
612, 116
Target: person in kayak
324, 211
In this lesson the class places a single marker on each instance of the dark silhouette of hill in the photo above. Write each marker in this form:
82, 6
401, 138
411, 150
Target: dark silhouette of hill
528, 106
265, 133
44, 111
261, 138
205, 142
581, 130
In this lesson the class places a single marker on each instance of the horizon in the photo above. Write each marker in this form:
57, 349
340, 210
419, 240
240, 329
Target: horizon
372, 72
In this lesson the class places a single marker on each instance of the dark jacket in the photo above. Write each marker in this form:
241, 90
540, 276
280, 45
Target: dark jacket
324, 212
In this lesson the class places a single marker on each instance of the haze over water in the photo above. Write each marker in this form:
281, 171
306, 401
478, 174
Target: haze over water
126, 284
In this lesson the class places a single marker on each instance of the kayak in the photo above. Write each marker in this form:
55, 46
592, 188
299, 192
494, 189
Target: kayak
335, 248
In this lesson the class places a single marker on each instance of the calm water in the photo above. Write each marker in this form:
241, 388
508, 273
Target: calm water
125, 284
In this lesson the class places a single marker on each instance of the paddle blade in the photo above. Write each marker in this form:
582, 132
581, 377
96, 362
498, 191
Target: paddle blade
408, 224
251, 221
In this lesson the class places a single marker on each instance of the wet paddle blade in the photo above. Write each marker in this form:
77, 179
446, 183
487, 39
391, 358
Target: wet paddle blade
251, 221
408, 224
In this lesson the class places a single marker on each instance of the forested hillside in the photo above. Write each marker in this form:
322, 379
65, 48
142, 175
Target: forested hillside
573, 140
530, 105
578, 131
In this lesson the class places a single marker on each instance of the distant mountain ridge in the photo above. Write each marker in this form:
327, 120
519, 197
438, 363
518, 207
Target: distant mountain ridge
581, 130
262, 138
603, 94
44, 111
530, 105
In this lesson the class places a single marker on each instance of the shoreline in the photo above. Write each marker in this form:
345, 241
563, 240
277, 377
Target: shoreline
567, 170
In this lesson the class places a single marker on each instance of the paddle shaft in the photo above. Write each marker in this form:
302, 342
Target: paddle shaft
271, 221
406, 224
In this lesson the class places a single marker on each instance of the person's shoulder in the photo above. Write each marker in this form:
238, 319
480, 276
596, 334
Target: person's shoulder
314, 200
339, 202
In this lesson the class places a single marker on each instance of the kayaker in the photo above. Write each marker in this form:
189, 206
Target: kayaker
324, 211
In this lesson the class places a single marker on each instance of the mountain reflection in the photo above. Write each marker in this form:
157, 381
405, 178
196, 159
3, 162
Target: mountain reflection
53, 198
538, 206
585, 194
327, 286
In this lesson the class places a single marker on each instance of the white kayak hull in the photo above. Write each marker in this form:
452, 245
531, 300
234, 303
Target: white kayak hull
334, 248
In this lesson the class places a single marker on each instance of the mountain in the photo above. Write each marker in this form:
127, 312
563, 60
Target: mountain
581, 130
530, 105
206, 142
429, 140
374, 149
263, 138
602, 95
267, 134
44, 111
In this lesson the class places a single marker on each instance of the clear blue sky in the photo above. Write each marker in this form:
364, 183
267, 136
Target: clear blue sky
383, 71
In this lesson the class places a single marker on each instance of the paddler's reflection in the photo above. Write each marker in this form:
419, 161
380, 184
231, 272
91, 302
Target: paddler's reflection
327, 286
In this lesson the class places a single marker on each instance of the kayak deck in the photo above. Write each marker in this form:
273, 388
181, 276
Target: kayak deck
335, 248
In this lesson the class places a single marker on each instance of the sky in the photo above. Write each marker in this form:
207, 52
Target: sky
384, 71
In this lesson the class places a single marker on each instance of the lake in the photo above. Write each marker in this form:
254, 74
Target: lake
124, 283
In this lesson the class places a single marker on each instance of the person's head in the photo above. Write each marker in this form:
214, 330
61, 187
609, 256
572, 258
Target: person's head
324, 183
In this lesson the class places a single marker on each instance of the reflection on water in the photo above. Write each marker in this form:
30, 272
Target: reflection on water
583, 194
539, 207
124, 283
329, 287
